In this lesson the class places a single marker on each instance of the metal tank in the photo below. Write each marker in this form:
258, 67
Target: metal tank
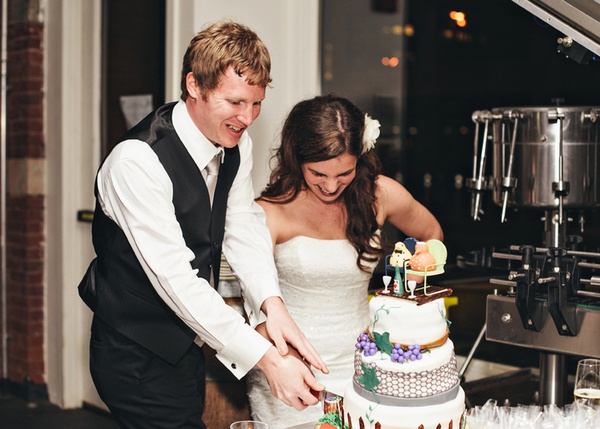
554, 145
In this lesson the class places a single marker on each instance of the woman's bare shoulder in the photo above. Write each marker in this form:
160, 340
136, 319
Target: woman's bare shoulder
389, 190
386, 183
272, 209
283, 219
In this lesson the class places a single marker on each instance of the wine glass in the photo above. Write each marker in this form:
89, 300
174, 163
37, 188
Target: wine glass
412, 285
386, 282
248, 424
587, 383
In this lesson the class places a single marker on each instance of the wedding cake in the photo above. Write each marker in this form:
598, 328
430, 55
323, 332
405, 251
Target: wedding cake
405, 368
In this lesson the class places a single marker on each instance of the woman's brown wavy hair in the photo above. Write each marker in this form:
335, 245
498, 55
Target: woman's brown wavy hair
320, 129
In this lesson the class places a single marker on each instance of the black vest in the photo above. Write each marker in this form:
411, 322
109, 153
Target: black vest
125, 298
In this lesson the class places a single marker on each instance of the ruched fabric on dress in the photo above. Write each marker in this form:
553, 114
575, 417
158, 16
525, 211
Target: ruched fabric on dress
327, 295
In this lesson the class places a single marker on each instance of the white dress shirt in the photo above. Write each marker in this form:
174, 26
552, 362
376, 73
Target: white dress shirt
135, 191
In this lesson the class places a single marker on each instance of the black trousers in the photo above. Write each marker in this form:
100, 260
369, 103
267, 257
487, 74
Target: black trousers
142, 390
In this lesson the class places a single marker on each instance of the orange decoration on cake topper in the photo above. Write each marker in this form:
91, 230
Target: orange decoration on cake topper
422, 260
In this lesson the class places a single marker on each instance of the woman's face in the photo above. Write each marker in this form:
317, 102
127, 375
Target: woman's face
328, 179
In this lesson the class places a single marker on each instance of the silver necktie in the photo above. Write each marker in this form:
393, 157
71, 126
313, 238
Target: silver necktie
212, 173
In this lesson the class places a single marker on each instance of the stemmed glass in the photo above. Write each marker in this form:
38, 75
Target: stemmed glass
248, 424
386, 283
412, 285
587, 383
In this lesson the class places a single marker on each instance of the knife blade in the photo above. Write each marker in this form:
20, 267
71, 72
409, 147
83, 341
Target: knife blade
324, 395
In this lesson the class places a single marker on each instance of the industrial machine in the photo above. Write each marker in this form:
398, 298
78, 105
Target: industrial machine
577, 20
548, 159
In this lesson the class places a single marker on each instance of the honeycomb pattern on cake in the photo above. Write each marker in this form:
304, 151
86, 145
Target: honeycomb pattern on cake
410, 384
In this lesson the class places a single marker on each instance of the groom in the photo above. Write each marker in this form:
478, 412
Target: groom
158, 231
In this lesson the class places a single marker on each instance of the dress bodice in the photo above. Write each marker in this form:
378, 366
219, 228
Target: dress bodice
325, 293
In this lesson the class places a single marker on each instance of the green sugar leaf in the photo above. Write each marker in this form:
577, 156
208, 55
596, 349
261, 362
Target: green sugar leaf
382, 341
369, 378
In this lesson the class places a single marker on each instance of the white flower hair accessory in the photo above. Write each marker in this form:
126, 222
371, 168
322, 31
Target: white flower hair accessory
370, 134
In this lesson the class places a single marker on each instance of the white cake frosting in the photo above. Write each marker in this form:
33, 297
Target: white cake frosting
446, 414
419, 393
407, 322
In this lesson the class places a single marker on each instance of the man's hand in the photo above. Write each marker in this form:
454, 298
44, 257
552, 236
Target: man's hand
282, 330
290, 379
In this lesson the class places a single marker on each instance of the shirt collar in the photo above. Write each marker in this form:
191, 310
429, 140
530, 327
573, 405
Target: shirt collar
199, 147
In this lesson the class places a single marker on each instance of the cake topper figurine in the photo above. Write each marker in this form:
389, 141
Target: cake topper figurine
428, 259
414, 258
398, 259
422, 260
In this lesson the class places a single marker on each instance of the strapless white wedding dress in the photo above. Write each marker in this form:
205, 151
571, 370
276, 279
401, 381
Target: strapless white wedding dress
327, 295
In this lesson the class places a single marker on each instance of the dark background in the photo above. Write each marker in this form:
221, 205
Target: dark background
504, 57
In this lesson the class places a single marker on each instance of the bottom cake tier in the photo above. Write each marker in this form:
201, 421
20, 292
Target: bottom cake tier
382, 413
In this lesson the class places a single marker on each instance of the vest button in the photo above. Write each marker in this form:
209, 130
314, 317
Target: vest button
216, 244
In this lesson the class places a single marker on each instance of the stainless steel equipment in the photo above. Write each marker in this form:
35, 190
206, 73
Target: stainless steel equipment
553, 306
544, 158
551, 144
577, 20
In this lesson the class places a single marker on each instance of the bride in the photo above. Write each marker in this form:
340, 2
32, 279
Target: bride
326, 202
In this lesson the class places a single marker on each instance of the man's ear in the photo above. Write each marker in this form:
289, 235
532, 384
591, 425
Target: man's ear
192, 86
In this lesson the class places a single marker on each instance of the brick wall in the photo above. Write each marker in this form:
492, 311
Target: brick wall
25, 202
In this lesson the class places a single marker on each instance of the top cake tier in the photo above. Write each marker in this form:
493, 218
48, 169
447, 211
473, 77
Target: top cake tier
410, 321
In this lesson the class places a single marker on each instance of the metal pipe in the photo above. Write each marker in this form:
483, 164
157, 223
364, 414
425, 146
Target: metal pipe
560, 172
553, 379
588, 294
545, 249
594, 280
589, 265
509, 256
480, 176
469, 358
3, 284
475, 146
508, 182
553, 372
502, 282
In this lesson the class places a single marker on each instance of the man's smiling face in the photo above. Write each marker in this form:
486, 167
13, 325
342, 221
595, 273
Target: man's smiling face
223, 115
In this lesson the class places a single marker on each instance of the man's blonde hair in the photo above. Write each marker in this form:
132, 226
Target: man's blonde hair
222, 45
